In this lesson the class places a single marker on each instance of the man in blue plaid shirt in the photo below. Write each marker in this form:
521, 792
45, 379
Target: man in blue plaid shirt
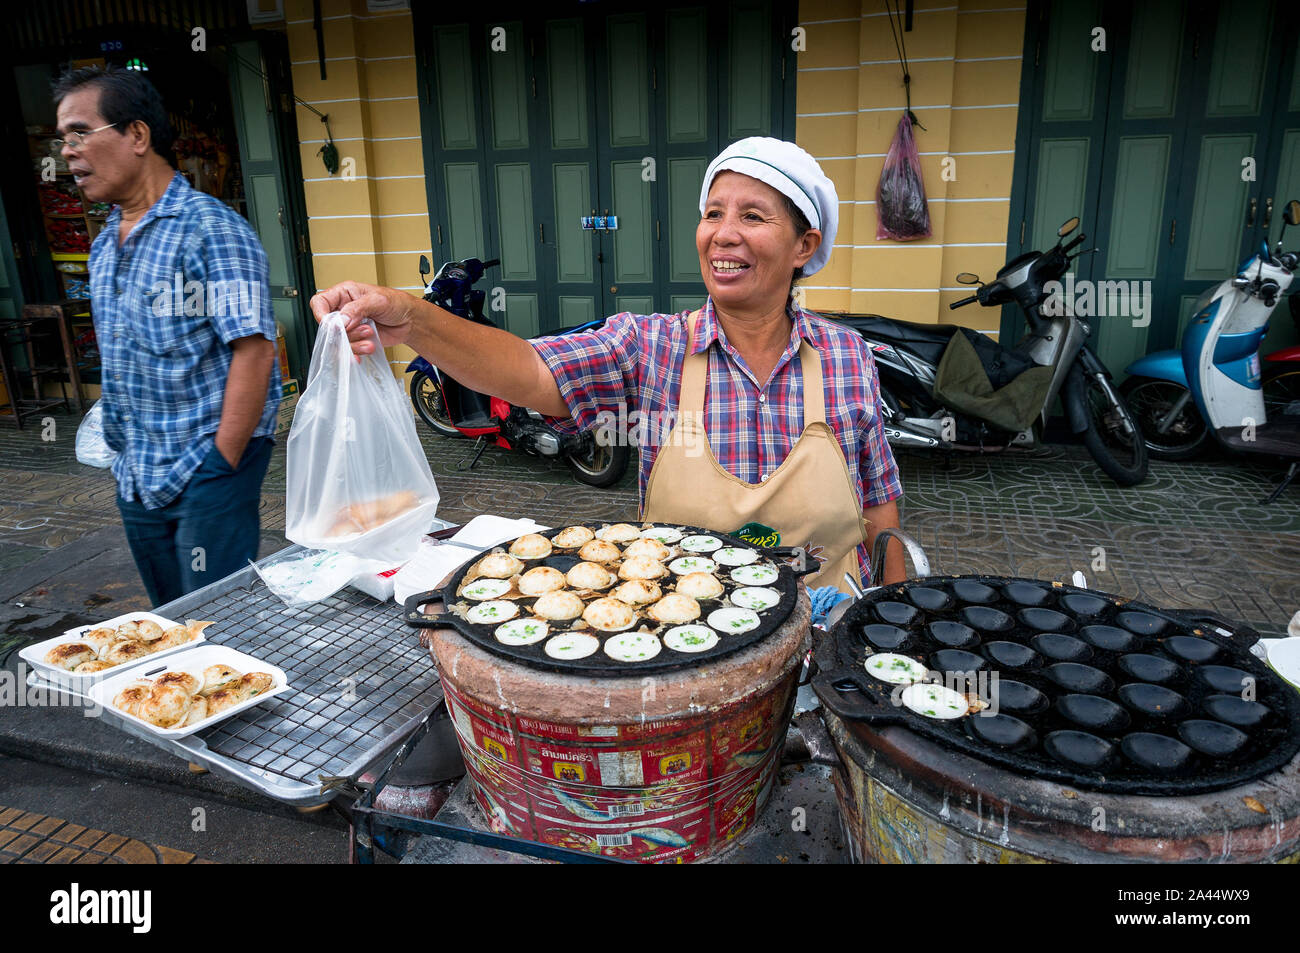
179, 289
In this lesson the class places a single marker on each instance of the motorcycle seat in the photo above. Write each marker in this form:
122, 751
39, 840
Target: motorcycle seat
926, 341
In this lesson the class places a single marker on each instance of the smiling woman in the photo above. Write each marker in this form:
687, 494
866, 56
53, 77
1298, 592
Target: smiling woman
776, 410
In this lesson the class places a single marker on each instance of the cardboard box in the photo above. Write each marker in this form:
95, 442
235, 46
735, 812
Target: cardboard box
288, 402
283, 352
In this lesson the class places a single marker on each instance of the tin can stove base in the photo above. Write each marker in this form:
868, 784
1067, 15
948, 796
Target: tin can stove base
800, 826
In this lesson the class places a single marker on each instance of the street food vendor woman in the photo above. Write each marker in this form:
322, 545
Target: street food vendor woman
759, 411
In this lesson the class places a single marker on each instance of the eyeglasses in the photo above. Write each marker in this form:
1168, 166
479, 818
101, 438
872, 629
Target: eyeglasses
78, 139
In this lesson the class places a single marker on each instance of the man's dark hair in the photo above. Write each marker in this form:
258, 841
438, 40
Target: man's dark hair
125, 95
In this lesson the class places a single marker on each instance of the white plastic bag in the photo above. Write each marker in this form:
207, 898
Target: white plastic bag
358, 481
92, 449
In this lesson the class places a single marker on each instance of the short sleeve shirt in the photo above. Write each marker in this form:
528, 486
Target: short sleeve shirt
625, 377
190, 278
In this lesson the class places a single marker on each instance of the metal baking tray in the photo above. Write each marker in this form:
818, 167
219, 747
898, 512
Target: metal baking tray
362, 681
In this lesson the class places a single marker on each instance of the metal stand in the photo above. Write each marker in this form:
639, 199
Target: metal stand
479, 446
1281, 487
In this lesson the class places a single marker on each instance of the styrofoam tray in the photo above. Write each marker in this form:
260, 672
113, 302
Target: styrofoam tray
34, 655
192, 661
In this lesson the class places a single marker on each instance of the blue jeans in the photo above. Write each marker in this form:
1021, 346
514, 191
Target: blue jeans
208, 532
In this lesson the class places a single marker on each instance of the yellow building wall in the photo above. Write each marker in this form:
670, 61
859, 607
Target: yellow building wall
964, 58
369, 222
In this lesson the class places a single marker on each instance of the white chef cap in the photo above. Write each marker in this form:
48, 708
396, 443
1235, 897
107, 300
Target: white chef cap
792, 172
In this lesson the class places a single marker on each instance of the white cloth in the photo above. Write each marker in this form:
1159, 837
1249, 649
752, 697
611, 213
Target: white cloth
792, 172
434, 559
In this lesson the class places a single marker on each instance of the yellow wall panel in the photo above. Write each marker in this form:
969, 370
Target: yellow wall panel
400, 195
882, 85
332, 269
339, 39
1000, 33
976, 221
983, 129
394, 118
828, 10
405, 232
313, 165
391, 78
829, 44
337, 198
979, 176
993, 81
921, 307
830, 91
341, 82
828, 135
343, 234
932, 35
397, 158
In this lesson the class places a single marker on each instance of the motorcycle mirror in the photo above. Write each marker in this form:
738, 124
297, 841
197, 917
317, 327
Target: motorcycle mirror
1069, 226
424, 266
1292, 214
966, 278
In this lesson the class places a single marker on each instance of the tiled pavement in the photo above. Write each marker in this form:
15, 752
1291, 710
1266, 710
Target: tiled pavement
27, 838
1192, 536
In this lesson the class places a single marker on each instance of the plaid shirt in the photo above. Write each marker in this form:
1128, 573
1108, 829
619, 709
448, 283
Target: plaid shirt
633, 364
190, 278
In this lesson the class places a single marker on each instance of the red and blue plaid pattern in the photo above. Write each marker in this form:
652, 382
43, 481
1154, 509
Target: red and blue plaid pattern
633, 364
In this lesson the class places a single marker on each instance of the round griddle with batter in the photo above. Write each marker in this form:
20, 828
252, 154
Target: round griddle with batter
1100, 692
599, 663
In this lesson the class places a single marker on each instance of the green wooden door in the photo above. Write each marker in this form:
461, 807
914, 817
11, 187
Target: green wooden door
271, 208
531, 124
1171, 121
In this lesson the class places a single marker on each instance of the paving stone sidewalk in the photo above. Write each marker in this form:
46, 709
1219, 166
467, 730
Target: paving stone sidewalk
1193, 536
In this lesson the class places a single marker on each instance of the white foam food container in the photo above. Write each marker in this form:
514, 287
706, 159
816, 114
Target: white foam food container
34, 655
192, 661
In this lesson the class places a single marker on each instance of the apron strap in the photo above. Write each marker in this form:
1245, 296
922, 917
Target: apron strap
814, 395
695, 372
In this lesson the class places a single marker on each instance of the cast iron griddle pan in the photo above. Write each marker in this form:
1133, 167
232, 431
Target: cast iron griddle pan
1090, 689
600, 664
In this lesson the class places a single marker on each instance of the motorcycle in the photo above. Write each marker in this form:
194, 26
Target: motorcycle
908, 358
454, 410
1231, 400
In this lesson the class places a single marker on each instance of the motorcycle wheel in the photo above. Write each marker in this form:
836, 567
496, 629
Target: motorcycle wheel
1281, 390
1150, 400
597, 465
1121, 456
426, 395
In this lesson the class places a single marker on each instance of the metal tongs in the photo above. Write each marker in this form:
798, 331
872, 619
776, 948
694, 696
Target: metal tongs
920, 563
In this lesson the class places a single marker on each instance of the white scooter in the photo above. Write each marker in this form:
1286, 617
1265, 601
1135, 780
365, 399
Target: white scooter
1218, 364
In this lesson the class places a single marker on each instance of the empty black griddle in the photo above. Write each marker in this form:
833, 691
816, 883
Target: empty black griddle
600, 664
1090, 689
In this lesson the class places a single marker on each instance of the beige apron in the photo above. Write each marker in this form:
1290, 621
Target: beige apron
809, 498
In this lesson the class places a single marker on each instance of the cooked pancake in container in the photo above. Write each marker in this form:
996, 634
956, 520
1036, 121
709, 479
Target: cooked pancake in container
641, 567
599, 551
147, 630
609, 615
531, 546
648, 547
185, 680
71, 654
130, 698
638, 592
618, 533
128, 650
675, 609
218, 676
167, 706
571, 537
88, 668
499, 566
589, 576
558, 605
100, 639
700, 585
541, 580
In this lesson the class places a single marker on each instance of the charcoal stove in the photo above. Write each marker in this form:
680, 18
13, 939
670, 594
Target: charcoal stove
665, 760
1095, 728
